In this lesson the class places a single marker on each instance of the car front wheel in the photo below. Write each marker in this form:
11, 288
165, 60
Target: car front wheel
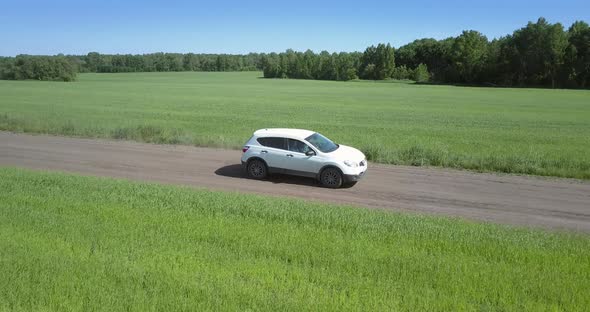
331, 177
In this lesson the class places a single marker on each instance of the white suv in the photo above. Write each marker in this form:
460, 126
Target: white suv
303, 153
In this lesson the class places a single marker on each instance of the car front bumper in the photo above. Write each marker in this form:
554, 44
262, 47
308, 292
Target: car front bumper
348, 178
354, 174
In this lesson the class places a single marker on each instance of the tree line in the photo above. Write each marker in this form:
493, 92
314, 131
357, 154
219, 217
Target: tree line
25, 67
376, 63
163, 62
66, 67
540, 54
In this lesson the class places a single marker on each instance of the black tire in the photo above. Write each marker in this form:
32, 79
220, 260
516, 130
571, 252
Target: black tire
331, 177
256, 169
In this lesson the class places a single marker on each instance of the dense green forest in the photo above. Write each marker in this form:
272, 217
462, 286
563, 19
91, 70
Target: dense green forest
49, 67
36, 67
163, 62
540, 54
376, 63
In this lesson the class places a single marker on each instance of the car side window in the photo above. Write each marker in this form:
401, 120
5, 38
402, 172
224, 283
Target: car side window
279, 143
298, 146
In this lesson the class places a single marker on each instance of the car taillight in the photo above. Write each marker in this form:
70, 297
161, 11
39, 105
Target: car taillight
245, 148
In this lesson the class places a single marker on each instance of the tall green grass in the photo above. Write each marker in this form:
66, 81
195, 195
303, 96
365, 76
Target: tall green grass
530, 131
81, 243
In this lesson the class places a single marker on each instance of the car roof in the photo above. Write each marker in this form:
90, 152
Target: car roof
284, 132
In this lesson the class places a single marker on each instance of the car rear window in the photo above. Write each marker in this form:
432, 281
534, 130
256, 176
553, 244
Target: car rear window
273, 142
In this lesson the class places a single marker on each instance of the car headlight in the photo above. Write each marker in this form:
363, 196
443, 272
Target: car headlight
351, 163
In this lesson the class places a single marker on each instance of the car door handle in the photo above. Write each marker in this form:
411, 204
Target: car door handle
263, 152
289, 155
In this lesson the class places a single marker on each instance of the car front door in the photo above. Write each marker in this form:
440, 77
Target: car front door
297, 162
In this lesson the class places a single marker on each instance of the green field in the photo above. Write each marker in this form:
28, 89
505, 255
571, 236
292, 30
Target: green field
81, 243
531, 131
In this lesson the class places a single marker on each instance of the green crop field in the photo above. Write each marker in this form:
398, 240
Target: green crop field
82, 243
531, 131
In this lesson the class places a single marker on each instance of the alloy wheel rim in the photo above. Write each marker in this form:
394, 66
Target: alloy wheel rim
330, 178
256, 169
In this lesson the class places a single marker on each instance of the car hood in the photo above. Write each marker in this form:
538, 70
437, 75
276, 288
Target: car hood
347, 153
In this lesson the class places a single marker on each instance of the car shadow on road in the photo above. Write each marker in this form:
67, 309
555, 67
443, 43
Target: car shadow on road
235, 171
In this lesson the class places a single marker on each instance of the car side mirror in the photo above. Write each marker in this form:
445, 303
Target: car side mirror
309, 153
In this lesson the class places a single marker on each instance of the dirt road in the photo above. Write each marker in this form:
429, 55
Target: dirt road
545, 202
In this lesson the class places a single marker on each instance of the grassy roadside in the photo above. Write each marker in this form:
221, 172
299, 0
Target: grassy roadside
82, 243
529, 131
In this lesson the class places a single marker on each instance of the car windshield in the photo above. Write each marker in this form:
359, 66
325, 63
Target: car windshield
322, 143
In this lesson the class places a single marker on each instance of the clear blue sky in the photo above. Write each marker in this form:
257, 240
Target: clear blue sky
78, 27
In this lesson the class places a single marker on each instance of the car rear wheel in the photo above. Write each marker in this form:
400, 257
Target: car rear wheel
331, 177
257, 169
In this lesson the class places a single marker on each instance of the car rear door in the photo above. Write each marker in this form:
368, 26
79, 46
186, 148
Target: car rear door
273, 152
